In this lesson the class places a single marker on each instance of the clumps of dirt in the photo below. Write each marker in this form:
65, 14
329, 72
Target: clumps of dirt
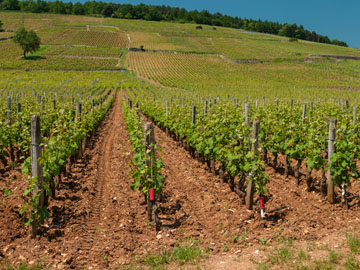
97, 221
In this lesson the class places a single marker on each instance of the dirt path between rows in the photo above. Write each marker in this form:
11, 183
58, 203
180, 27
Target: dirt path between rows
98, 222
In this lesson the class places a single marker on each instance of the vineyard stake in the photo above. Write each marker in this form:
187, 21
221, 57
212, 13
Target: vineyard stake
246, 112
167, 109
193, 114
36, 165
18, 110
354, 116
9, 109
78, 111
249, 199
150, 162
304, 114
205, 106
331, 150
263, 103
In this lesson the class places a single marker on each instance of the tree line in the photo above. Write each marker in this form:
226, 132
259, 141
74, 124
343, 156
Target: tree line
166, 13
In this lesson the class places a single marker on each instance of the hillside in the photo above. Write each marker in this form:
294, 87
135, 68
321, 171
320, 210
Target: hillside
204, 90
265, 62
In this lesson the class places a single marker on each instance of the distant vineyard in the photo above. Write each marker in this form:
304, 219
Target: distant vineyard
92, 38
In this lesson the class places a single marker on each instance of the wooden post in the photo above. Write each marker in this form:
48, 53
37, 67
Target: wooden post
205, 106
249, 199
246, 112
167, 109
311, 107
214, 101
9, 109
263, 103
304, 114
130, 103
78, 111
291, 103
18, 110
54, 104
347, 105
43, 103
277, 102
36, 165
331, 150
150, 163
39, 99
92, 105
193, 114
354, 116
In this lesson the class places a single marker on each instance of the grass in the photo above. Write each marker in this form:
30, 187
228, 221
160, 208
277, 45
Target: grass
182, 254
353, 241
23, 266
313, 256
189, 252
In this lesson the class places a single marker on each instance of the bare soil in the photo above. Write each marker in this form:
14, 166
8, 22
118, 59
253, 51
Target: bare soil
98, 222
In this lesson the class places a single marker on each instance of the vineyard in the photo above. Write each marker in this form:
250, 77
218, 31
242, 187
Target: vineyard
123, 139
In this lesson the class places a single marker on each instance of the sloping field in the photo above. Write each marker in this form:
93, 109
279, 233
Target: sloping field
229, 108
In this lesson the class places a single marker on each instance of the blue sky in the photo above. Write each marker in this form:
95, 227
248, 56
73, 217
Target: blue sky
338, 19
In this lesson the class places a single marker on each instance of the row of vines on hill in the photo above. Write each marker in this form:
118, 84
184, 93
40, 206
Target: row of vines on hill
219, 129
64, 122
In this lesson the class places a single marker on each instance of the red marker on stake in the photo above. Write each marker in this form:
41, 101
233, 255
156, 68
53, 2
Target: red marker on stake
152, 194
262, 207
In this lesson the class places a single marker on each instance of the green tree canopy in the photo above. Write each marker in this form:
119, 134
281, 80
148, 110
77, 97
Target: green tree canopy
28, 40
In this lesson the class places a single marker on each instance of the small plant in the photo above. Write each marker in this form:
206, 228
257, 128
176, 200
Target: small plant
199, 27
302, 255
263, 241
293, 40
281, 256
353, 241
351, 263
235, 238
7, 192
334, 257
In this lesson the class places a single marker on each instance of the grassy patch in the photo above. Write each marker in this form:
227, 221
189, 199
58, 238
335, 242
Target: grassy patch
23, 266
189, 252
353, 241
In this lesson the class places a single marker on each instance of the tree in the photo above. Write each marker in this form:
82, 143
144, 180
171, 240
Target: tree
10, 5
28, 40
78, 9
